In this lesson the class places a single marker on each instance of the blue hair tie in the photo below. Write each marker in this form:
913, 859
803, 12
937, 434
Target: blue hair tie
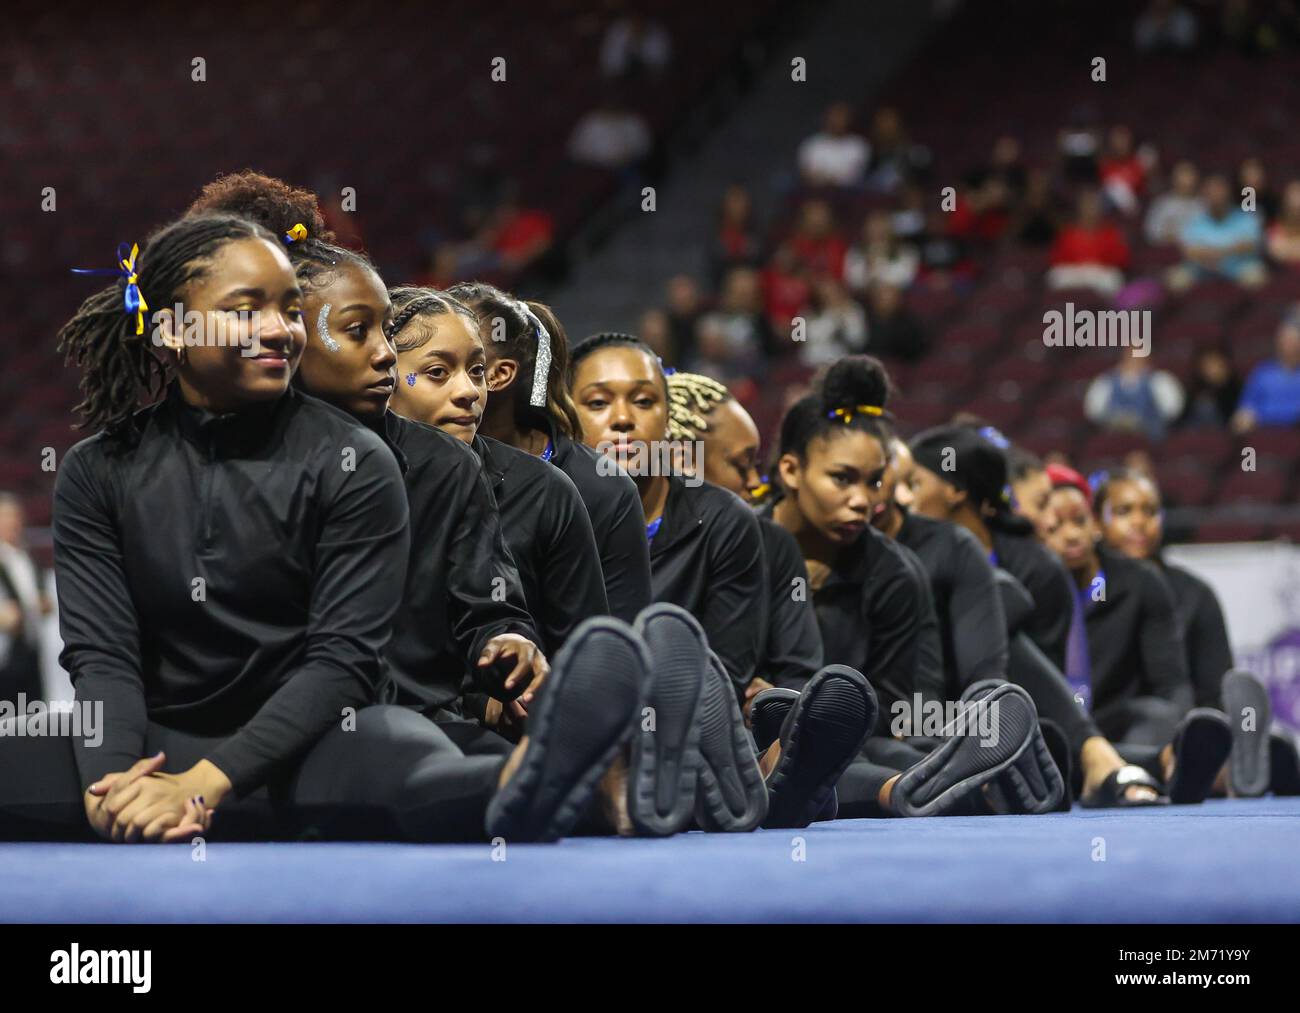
1097, 479
995, 437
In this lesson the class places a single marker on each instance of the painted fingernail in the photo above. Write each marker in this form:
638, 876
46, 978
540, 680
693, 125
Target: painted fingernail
200, 799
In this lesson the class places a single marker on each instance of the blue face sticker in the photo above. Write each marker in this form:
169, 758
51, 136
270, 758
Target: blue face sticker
410, 379
323, 329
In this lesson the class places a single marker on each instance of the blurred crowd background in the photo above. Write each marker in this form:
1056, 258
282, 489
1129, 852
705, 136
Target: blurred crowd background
798, 211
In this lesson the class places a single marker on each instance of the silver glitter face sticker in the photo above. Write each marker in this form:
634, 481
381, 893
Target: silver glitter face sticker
323, 329
542, 364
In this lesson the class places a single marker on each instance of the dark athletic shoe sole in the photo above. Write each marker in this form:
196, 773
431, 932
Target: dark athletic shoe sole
582, 715
967, 762
1034, 784
665, 755
1245, 701
767, 713
730, 796
1201, 748
820, 737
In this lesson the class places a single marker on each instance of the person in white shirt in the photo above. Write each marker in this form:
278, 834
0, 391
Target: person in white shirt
1174, 209
610, 137
21, 608
835, 156
1134, 397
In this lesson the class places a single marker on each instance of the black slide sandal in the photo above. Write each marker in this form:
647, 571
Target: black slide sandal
966, 762
665, 755
1246, 703
1201, 748
730, 796
767, 714
1112, 792
582, 715
820, 737
1034, 784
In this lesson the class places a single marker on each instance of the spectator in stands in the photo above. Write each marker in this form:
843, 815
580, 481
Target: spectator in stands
1252, 174
982, 212
786, 288
1079, 143
834, 325
1123, 169
517, 236
611, 136
1223, 241
815, 241
879, 256
635, 47
1006, 165
836, 155
895, 159
893, 331
1272, 393
1090, 252
1213, 391
685, 305
1036, 218
1134, 397
1165, 26
741, 319
715, 354
908, 220
1284, 234
736, 242
22, 605
1172, 210
945, 258
656, 331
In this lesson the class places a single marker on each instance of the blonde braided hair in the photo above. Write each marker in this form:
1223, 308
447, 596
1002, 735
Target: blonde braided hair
692, 396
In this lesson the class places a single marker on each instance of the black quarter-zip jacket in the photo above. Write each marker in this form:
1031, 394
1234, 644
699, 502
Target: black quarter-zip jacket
617, 520
463, 587
228, 575
1133, 645
792, 652
1205, 633
1048, 582
972, 625
708, 558
876, 614
550, 538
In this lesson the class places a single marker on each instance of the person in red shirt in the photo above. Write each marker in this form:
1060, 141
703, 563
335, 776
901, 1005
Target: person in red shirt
1123, 173
1090, 252
815, 241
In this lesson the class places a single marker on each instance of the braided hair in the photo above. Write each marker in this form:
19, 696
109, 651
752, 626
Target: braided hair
411, 301
691, 397
498, 310
614, 339
281, 207
117, 364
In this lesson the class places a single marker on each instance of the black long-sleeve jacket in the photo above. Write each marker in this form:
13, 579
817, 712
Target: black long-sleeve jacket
792, 652
227, 575
876, 614
1205, 633
1047, 580
707, 557
618, 522
549, 536
463, 587
1133, 636
972, 625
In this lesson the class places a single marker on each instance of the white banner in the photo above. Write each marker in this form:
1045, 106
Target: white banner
1258, 584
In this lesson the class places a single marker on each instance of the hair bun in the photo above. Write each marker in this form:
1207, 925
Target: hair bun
855, 380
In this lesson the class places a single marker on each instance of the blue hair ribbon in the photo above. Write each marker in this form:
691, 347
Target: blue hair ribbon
132, 299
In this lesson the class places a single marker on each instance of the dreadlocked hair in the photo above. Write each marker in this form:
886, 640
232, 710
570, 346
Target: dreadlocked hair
691, 397
509, 328
118, 366
411, 301
279, 206
613, 339
853, 382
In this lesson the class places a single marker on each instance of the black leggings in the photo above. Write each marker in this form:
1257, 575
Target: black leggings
395, 776
1032, 670
859, 786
